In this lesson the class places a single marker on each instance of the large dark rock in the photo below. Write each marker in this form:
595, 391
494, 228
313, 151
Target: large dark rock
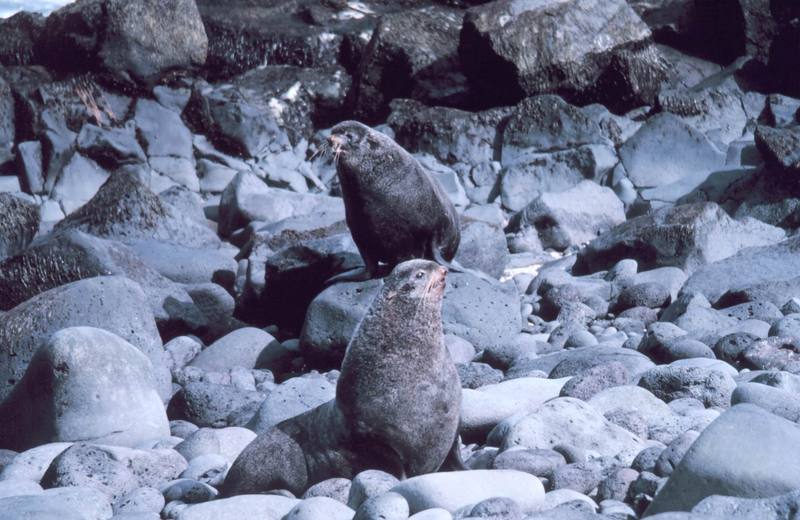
780, 148
112, 303
586, 50
73, 255
139, 39
20, 34
767, 273
549, 145
302, 100
688, 237
84, 384
233, 123
19, 224
124, 208
451, 135
734, 28
244, 34
412, 54
7, 121
296, 274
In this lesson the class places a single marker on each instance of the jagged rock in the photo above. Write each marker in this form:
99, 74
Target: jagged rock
247, 198
124, 208
234, 124
300, 99
571, 217
688, 237
21, 32
18, 226
450, 135
412, 54
140, 40
73, 255
589, 50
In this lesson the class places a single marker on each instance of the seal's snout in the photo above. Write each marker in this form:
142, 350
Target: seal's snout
335, 141
442, 271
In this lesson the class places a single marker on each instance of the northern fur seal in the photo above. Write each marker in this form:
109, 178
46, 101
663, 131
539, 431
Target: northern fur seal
397, 404
395, 210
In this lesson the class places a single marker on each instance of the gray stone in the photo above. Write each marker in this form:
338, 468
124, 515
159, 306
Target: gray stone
572, 217
248, 198
483, 247
781, 507
582, 477
69, 503
688, 237
74, 255
112, 303
711, 387
317, 508
227, 442
134, 40
414, 51
268, 507
368, 484
577, 361
686, 152
454, 490
780, 402
291, 398
572, 422
759, 273
110, 147
387, 506
551, 47
33, 463
188, 491
98, 388
672, 456
124, 208
19, 226
19, 487
615, 486
594, 380
335, 488
140, 500
747, 452
215, 405
244, 347
90, 466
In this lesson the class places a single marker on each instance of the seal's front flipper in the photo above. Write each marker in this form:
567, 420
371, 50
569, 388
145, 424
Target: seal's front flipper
359, 274
453, 461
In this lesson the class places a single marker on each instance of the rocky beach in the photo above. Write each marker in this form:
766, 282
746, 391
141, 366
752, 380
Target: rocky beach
622, 313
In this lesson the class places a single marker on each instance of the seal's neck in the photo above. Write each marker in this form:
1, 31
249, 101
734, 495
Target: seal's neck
396, 325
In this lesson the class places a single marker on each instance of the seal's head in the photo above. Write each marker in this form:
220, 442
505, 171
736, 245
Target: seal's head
356, 147
416, 281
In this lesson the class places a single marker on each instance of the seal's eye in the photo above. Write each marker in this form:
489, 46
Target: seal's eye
420, 275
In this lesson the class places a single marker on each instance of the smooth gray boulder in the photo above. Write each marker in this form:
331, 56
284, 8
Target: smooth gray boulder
747, 452
84, 384
111, 303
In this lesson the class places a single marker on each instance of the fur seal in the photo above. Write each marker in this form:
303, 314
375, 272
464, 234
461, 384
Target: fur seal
395, 210
397, 404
